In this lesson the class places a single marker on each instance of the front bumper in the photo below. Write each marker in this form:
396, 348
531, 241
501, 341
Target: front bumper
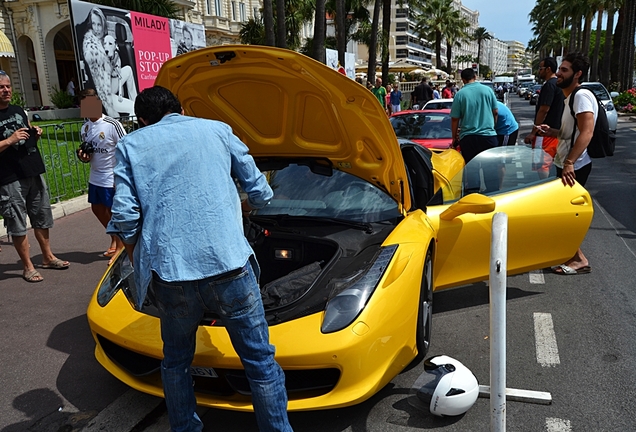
322, 370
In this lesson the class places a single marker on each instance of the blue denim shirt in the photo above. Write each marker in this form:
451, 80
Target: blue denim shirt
176, 200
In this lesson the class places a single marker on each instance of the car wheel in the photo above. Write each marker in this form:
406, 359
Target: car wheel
425, 313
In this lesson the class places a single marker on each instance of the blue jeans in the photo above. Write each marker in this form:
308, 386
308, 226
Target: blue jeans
235, 296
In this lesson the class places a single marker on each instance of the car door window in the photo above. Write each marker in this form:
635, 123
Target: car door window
500, 170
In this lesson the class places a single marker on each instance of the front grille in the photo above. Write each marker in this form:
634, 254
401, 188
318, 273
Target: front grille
299, 383
136, 364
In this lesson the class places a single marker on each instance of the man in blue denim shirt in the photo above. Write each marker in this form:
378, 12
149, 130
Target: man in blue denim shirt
178, 212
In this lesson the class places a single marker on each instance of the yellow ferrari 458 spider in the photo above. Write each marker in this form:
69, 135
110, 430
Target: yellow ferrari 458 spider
361, 231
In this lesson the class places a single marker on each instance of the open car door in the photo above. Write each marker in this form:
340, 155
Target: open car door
547, 221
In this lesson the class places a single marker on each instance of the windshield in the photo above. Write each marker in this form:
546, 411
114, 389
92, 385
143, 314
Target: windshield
500, 170
300, 192
422, 126
599, 90
439, 105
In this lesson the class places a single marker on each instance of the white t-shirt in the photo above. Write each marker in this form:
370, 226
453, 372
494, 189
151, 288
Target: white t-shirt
70, 88
104, 134
583, 102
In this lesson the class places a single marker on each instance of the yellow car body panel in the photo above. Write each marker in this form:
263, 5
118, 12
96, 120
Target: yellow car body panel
531, 244
370, 352
446, 167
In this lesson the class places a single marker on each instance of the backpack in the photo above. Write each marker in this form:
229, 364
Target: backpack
602, 142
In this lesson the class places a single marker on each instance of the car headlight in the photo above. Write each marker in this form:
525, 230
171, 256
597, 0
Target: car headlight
609, 106
344, 308
119, 276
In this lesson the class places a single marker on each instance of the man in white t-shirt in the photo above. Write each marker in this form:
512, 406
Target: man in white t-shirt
572, 161
102, 133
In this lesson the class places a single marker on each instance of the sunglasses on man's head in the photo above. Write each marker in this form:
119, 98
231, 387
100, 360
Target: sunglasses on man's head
3, 73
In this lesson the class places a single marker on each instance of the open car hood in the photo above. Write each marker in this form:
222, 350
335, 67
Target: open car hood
283, 104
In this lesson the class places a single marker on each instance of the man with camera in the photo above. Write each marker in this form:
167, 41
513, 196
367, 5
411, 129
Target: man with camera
100, 135
23, 190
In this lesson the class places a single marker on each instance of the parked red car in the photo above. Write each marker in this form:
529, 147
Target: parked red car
429, 128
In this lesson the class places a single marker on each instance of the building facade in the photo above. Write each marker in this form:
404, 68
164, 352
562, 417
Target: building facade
468, 47
495, 55
40, 34
404, 43
516, 56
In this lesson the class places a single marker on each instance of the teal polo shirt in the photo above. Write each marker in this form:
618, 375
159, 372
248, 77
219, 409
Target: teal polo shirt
473, 105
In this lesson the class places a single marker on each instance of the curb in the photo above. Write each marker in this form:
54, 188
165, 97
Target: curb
60, 209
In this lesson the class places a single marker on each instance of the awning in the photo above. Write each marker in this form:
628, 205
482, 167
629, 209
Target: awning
6, 49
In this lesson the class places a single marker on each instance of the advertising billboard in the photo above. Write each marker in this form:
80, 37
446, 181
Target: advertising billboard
119, 52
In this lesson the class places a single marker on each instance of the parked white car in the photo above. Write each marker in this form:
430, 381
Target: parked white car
436, 104
606, 99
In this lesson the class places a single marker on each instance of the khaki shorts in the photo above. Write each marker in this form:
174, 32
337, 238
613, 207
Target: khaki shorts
22, 198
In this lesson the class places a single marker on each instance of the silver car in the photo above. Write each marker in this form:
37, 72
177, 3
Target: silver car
606, 99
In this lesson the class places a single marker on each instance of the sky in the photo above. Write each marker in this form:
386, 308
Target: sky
505, 19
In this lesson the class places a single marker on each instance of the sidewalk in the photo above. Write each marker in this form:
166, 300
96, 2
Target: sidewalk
59, 210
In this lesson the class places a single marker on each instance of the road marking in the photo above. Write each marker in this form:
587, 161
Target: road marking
557, 425
545, 340
519, 174
536, 277
518, 164
525, 122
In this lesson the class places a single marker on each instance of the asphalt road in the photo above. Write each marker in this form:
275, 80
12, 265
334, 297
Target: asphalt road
571, 336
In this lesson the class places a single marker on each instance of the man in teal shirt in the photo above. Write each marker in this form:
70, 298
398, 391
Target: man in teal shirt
475, 109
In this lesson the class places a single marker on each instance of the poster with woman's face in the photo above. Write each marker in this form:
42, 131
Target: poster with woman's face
105, 55
120, 52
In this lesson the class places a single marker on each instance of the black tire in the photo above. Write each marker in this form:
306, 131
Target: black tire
425, 312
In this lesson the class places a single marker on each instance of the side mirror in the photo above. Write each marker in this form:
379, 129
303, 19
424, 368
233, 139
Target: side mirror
473, 203
613, 94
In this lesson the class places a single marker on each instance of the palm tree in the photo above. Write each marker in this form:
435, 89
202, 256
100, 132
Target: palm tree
373, 42
318, 43
464, 58
164, 8
455, 33
296, 14
252, 32
341, 40
480, 34
611, 6
268, 21
597, 45
281, 27
348, 14
432, 22
386, 34
627, 13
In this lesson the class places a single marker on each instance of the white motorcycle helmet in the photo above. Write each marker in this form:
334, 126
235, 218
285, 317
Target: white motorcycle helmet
449, 388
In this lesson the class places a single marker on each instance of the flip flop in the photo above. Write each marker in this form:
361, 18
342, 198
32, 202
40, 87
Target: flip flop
110, 252
56, 264
32, 276
568, 271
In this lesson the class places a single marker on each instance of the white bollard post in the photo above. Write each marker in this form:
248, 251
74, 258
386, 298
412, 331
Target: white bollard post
497, 282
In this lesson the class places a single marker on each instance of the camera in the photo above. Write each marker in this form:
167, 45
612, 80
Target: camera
31, 144
87, 148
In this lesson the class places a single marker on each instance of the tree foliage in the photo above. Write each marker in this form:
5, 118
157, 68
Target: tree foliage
479, 35
560, 26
